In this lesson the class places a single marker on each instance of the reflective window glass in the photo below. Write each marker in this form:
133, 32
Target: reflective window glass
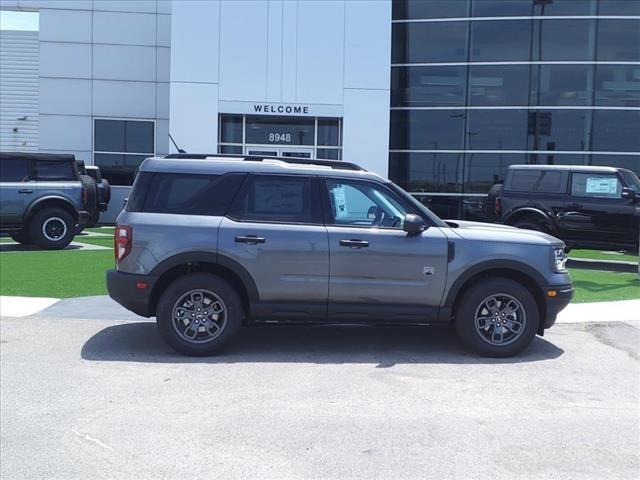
426, 172
497, 130
428, 86
411, 9
427, 129
616, 130
499, 85
501, 8
619, 7
500, 40
138, 137
483, 170
118, 169
565, 7
564, 40
561, 84
329, 153
549, 181
14, 170
631, 162
329, 131
231, 128
429, 42
124, 136
44, 170
618, 85
280, 130
619, 40
232, 149
559, 130
109, 135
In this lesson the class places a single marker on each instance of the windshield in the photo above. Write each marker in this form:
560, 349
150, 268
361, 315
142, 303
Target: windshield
436, 220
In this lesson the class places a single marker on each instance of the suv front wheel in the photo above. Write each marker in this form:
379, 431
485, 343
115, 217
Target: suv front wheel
199, 313
497, 317
52, 228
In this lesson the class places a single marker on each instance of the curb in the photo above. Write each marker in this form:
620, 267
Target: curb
609, 265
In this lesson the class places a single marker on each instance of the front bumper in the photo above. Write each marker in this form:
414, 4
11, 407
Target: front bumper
557, 297
83, 218
131, 291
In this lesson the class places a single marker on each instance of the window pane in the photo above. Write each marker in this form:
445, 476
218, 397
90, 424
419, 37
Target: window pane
631, 162
428, 86
44, 170
109, 136
618, 85
329, 131
499, 85
500, 40
280, 130
426, 172
231, 128
561, 85
483, 170
191, 194
497, 130
565, 7
619, 7
564, 40
501, 8
429, 42
616, 130
547, 181
619, 40
139, 192
559, 130
139, 137
329, 153
279, 199
443, 206
13, 170
237, 149
427, 129
118, 169
595, 185
411, 9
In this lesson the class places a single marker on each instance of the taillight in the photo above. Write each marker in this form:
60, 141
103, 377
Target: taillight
122, 242
84, 196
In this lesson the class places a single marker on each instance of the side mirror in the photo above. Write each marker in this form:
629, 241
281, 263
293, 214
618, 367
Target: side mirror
413, 224
629, 193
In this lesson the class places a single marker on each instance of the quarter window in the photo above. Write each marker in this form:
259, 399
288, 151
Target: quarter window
593, 185
13, 170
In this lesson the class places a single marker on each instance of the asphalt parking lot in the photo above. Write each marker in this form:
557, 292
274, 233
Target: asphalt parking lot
89, 398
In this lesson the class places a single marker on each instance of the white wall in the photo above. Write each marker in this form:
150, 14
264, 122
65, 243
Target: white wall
331, 55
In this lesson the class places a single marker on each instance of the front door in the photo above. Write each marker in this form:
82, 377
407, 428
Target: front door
377, 271
16, 191
274, 230
595, 210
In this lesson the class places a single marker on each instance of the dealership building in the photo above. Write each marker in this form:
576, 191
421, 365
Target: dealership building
441, 96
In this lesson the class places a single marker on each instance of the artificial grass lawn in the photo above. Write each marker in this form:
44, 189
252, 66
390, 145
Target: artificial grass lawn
101, 241
598, 286
601, 255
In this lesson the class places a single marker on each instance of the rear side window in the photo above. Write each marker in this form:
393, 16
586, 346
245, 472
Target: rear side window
185, 194
13, 170
51, 170
278, 198
595, 185
544, 181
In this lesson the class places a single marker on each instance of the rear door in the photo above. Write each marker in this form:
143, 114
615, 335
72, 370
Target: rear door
595, 210
274, 230
377, 271
16, 190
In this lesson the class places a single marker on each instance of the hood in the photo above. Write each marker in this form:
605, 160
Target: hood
500, 233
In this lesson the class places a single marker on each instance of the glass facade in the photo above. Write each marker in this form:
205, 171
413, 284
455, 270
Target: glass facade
478, 85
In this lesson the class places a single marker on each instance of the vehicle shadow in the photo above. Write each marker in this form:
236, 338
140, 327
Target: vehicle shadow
19, 247
383, 346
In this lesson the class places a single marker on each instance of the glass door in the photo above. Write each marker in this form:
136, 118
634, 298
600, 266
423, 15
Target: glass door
274, 151
299, 152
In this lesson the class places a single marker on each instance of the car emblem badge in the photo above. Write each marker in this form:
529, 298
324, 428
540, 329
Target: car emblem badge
428, 271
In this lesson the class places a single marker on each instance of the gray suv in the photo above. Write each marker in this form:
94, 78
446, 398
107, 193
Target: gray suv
42, 199
209, 243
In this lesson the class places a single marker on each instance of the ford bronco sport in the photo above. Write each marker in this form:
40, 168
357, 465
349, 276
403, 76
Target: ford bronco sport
208, 243
42, 199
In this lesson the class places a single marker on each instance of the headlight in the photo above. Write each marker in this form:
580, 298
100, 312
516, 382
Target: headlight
559, 260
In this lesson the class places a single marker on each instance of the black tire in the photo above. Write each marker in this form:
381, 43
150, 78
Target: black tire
93, 220
57, 223
92, 193
481, 340
490, 207
107, 190
233, 314
532, 224
21, 236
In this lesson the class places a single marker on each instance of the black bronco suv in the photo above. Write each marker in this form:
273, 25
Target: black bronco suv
587, 207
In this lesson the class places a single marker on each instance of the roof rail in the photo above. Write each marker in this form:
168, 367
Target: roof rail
335, 164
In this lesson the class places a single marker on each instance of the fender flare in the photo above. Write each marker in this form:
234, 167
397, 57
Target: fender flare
33, 206
212, 258
532, 211
487, 266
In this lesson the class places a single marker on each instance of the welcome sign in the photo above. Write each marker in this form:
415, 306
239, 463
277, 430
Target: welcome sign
285, 109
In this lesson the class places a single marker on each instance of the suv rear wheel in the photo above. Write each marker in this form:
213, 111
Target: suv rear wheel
52, 228
199, 313
497, 317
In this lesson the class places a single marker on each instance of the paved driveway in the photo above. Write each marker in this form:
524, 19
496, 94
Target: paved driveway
89, 398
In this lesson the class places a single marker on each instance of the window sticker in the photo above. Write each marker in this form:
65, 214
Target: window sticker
340, 201
602, 185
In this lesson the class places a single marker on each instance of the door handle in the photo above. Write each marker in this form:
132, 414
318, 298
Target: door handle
251, 239
354, 243
25, 190
575, 205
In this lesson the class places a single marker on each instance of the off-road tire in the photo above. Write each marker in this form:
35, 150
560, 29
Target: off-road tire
469, 303
234, 312
107, 190
55, 215
92, 192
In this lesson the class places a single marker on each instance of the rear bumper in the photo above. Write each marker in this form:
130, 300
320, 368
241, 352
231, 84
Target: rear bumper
131, 291
557, 297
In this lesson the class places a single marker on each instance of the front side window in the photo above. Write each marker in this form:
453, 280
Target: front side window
364, 204
120, 146
13, 170
52, 170
278, 198
595, 185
